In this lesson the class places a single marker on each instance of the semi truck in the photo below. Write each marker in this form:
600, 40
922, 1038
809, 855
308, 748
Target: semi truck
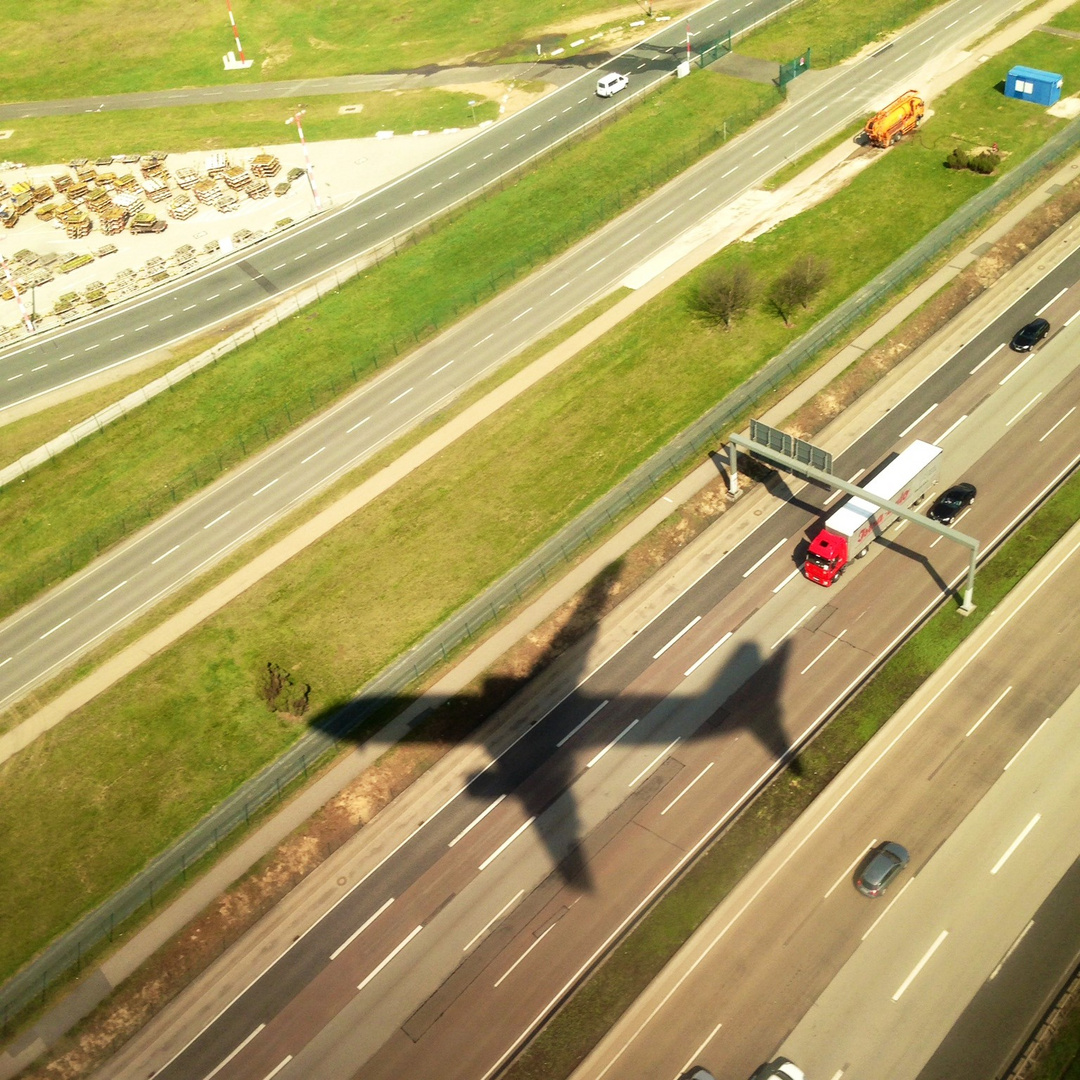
895, 120
848, 531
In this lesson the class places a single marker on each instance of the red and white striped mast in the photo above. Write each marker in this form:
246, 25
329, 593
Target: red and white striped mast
295, 119
236, 33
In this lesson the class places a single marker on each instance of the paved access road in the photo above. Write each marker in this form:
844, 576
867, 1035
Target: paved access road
51, 633
315, 248
444, 956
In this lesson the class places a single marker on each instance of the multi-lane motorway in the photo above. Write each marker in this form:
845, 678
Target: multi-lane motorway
82, 612
493, 906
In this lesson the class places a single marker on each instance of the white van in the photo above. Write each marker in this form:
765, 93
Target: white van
611, 83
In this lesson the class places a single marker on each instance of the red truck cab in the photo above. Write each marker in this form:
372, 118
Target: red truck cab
826, 557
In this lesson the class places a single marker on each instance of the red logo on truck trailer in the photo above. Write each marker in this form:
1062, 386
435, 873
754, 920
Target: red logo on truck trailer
848, 530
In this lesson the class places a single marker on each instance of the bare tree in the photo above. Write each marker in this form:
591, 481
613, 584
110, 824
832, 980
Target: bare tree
727, 292
798, 285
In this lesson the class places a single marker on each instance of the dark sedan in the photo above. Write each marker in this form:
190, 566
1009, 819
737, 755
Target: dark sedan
949, 504
880, 866
1027, 337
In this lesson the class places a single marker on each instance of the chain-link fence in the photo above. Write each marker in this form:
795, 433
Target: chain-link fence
36, 575
67, 951
710, 53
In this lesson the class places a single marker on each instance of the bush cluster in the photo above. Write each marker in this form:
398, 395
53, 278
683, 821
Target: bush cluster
984, 163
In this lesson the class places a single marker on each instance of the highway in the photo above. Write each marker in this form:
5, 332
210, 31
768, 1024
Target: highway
494, 905
49, 634
980, 781
217, 294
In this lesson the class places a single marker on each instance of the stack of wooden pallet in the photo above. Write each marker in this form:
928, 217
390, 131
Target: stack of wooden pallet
265, 165
155, 188
182, 207
113, 220
187, 177
237, 177
147, 222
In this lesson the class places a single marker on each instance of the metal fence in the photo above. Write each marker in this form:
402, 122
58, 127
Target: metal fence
67, 951
710, 53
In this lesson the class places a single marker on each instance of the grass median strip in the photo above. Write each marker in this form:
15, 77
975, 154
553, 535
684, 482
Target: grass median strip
147, 758
49, 140
63, 514
606, 995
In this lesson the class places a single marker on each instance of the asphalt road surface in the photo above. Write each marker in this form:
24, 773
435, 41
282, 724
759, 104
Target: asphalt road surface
442, 958
40, 640
219, 293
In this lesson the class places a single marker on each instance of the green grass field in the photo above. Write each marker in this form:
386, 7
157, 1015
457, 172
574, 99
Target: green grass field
48, 140
831, 29
180, 441
70, 48
147, 758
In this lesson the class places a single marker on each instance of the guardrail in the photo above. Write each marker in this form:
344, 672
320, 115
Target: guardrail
67, 951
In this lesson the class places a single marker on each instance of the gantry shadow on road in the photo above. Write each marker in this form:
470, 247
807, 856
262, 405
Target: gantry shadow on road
537, 770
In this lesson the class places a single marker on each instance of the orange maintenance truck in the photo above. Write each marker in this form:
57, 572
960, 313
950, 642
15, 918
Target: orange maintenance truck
895, 120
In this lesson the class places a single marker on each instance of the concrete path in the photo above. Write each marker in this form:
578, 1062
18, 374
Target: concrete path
422, 79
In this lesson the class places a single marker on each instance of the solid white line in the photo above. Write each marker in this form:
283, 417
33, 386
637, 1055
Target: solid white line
476, 820
1024, 409
281, 1064
154, 562
701, 659
697, 1053
687, 788
1016, 843
438, 369
54, 629
772, 551
873, 926
1015, 370
693, 622
315, 455
794, 628
111, 591
506, 973
1000, 699
489, 925
1054, 301
941, 438
793, 573
1026, 741
220, 517
570, 734
659, 757
598, 756
823, 651
521, 314
359, 423
915, 423
1059, 423
990, 357
923, 962
506, 843
265, 486
397, 949
357, 932
217, 1068
848, 872
393, 401
1012, 948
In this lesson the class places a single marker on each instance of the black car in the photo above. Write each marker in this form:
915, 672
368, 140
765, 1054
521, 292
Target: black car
879, 867
1027, 337
949, 504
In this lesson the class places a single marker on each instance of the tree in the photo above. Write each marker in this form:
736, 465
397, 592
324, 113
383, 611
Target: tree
727, 292
798, 285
